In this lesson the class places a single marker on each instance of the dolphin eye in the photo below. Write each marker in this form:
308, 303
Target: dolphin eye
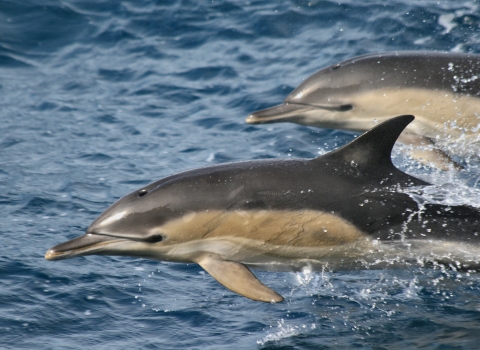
339, 108
335, 67
154, 239
344, 108
142, 193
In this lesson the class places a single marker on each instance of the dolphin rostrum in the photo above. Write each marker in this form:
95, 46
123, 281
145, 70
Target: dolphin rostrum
347, 209
442, 90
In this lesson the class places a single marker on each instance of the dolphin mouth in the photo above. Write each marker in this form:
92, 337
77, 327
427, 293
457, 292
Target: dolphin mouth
292, 112
89, 243
283, 112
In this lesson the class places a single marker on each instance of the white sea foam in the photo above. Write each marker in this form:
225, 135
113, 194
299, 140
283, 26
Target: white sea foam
446, 21
445, 194
285, 330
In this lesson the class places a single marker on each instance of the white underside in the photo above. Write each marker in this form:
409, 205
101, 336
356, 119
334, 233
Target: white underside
287, 241
364, 254
442, 116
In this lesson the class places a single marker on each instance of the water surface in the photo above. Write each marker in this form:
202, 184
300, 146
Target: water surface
101, 97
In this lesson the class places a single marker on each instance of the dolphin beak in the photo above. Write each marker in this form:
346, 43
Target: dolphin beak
284, 112
87, 244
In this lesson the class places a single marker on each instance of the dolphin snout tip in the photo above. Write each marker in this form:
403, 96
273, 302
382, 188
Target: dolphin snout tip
53, 254
50, 254
264, 116
252, 119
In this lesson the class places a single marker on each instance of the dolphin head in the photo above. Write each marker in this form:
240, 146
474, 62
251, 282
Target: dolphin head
360, 92
326, 99
139, 224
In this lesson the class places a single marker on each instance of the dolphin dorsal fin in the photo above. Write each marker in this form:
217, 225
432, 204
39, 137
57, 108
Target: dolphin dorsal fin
374, 147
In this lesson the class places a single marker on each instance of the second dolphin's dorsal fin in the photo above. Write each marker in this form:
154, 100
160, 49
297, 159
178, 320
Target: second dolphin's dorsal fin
374, 147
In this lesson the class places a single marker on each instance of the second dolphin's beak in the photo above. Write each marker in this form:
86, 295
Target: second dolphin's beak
286, 112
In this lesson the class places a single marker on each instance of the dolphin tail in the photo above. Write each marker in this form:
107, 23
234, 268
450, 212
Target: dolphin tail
239, 279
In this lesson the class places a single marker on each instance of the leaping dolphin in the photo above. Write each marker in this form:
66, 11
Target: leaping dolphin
442, 90
345, 210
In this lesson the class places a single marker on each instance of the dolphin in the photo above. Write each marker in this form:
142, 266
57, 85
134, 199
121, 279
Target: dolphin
442, 90
348, 209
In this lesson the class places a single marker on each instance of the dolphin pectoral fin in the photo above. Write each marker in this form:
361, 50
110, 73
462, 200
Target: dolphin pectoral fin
239, 279
425, 152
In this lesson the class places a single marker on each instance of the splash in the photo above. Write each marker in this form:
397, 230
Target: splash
284, 330
448, 194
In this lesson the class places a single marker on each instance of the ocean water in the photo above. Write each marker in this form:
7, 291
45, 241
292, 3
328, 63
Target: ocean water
101, 97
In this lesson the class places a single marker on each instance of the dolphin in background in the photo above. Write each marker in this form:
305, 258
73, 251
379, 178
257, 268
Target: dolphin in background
442, 90
347, 209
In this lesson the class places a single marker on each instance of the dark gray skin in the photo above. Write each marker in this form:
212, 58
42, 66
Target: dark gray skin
335, 184
442, 90
424, 70
355, 187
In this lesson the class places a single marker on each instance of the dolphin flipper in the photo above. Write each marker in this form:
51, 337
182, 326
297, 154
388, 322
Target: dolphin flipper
239, 279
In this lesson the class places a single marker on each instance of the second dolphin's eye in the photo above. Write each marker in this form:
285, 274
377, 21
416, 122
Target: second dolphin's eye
344, 108
335, 67
154, 239
142, 193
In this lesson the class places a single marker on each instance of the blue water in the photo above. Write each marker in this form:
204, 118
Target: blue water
101, 97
